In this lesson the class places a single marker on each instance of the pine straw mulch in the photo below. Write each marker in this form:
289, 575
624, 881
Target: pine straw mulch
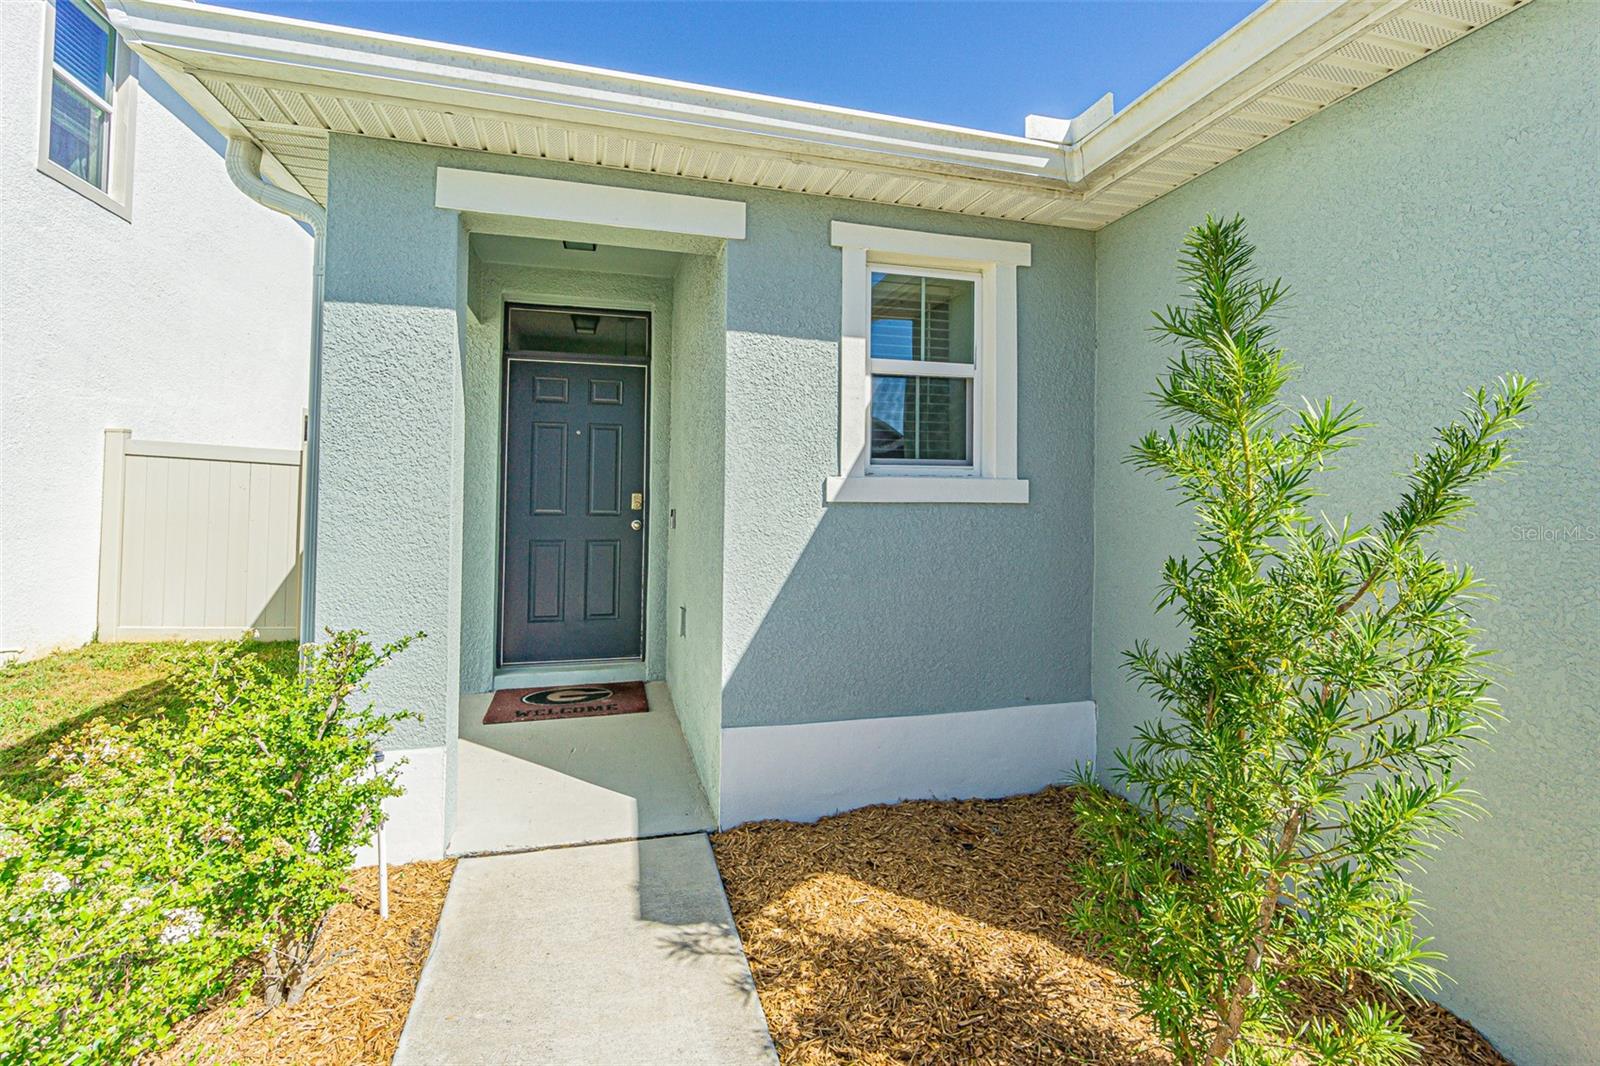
931, 933
356, 1009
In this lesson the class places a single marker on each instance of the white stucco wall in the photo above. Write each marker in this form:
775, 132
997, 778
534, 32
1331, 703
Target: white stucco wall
190, 322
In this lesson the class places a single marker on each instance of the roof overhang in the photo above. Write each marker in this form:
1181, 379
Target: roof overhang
289, 84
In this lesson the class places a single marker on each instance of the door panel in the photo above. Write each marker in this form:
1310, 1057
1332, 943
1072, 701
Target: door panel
546, 575
573, 565
600, 579
548, 493
605, 469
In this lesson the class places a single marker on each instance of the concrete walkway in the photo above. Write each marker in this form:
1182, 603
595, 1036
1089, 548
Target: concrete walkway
605, 954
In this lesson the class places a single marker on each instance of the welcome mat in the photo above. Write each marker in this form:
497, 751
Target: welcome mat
566, 701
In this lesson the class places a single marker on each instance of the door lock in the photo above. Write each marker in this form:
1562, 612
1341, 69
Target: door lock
636, 524
636, 501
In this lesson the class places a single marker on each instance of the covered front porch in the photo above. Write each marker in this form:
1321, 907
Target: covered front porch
590, 502
522, 455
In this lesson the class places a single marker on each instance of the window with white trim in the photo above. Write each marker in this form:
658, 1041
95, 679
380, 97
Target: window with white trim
85, 107
922, 352
927, 368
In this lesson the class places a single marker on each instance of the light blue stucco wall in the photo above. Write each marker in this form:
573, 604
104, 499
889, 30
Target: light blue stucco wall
392, 423
859, 610
1438, 229
694, 532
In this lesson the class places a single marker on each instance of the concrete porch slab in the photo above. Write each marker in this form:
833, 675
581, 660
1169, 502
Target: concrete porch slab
607, 954
528, 785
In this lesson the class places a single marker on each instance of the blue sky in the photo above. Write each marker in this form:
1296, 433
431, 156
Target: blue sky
983, 65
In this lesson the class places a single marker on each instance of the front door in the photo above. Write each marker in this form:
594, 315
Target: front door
572, 560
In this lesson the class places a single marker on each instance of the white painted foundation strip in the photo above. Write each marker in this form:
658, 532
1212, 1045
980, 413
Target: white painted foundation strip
578, 201
416, 829
803, 772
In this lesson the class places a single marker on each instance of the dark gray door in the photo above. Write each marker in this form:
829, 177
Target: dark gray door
573, 541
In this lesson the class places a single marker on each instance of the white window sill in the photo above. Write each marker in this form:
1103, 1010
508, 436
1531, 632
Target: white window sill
891, 489
50, 168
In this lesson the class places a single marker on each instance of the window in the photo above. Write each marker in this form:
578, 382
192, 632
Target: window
82, 119
561, 331
922, 348
927, 372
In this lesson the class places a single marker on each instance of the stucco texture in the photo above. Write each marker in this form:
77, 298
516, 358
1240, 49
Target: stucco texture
695, 533
390, 478
1438, 230
189, 321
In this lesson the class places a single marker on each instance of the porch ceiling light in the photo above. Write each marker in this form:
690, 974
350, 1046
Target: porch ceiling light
577, 246
585, 323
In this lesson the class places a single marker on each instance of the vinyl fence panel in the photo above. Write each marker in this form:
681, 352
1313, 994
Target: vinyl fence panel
199, 541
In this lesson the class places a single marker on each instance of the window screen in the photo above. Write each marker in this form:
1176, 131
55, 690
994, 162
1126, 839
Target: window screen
83, 68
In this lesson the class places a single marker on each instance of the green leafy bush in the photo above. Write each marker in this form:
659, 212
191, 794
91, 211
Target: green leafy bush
1317, 719
175, 853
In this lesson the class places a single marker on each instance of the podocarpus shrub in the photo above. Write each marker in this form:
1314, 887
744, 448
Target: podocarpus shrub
1315, 722
178, 853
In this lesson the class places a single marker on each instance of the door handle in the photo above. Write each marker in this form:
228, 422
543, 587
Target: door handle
636, 524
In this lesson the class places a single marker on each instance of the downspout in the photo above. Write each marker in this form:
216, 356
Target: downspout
244, 169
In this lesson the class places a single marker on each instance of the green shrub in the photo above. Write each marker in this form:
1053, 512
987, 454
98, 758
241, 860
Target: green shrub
1315, 722
173, 854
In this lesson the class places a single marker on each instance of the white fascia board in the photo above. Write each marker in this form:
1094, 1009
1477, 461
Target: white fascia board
341, 59
919, 245
489, 193
1276, 39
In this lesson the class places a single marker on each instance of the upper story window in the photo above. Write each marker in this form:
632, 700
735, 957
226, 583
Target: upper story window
85, 109
928, 368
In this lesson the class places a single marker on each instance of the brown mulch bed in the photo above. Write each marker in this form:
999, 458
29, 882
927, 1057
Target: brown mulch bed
356, 1009
931, 932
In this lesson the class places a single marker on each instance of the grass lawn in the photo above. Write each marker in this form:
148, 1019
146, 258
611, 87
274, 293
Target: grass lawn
46, 699
932, 932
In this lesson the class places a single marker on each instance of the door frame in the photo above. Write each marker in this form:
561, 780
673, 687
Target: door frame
507, 358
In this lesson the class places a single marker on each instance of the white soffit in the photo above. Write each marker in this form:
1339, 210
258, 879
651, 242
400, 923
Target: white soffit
290, 84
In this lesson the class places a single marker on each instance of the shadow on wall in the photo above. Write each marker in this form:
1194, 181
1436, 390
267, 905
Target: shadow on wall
282, 609
893, 609
158, 90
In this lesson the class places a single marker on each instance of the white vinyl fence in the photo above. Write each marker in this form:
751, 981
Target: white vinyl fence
199, 541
